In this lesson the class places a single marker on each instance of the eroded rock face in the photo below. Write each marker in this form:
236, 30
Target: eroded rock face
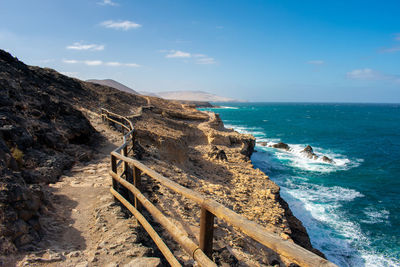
40, 136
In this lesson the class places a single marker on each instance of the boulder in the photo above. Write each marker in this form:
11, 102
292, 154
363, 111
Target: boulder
281, 145
216, 153
309, 153
263, 143
327, 160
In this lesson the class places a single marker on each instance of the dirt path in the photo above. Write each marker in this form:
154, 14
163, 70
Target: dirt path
84, 226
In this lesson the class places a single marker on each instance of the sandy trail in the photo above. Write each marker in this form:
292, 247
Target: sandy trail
83, 225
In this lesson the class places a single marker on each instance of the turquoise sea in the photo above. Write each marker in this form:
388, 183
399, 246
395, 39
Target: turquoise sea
351, 208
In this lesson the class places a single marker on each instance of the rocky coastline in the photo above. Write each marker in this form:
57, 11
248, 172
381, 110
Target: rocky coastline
45, 130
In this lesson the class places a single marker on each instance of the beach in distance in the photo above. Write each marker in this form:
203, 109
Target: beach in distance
350, 206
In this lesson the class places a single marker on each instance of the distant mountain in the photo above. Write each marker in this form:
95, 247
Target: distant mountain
148, 93
195, 96
114, 84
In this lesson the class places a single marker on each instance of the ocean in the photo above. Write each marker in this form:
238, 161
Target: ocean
351, 207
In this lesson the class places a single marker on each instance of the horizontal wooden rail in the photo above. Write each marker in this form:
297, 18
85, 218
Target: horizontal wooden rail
209, 209
288, 249
180, 236
153, 234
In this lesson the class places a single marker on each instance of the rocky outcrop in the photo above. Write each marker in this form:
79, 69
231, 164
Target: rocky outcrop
309, 153
327, 160
40, 136
216, 153
281, 145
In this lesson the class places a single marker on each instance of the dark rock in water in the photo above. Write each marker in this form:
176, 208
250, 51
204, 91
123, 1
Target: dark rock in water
263, 143
216, 153
308, 149
309, 153
327, 160
281, 145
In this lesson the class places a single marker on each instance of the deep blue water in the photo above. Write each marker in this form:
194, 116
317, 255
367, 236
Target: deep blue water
351, 208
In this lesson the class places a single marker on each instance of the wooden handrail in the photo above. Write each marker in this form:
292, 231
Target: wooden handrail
209, 209
153, 234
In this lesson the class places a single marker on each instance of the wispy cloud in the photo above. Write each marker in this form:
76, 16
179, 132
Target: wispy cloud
197, 58
204, 59
316, 62
99, 63
371, 75
82, 46
178, 54
107, 3
70, 61
69, 73
392, 49
120, 25
132, 65
93, 62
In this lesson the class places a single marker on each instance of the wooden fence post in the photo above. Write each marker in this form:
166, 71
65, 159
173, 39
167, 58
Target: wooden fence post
128, 176
114, 169
206, 231
137, 181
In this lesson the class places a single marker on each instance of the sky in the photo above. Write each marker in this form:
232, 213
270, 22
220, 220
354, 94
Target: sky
285, 51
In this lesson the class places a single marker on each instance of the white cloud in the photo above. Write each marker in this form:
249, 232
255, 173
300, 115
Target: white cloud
315, 62
196, 58
107, 3
99, 63
371, 75
132, 65
205, 60
69, 73
93, 62
70, 61
120, 25
118, 64
364, 74
81, 46
178, 54
113, 64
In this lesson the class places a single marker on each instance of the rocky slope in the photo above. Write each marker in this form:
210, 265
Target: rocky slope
45, 129
114, 84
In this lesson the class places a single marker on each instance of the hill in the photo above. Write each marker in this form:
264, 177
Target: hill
114, 84
195, 96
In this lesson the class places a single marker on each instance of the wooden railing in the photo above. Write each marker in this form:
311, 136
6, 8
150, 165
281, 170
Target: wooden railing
126, 188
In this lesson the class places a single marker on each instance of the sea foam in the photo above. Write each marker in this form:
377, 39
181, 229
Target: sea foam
319, 206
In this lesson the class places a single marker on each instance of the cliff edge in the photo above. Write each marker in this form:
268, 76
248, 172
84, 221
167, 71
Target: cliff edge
46, 128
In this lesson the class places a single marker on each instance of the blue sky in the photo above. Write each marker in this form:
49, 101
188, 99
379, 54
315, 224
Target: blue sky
313, 51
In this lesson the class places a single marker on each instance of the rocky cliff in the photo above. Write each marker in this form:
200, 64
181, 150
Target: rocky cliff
44, 130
